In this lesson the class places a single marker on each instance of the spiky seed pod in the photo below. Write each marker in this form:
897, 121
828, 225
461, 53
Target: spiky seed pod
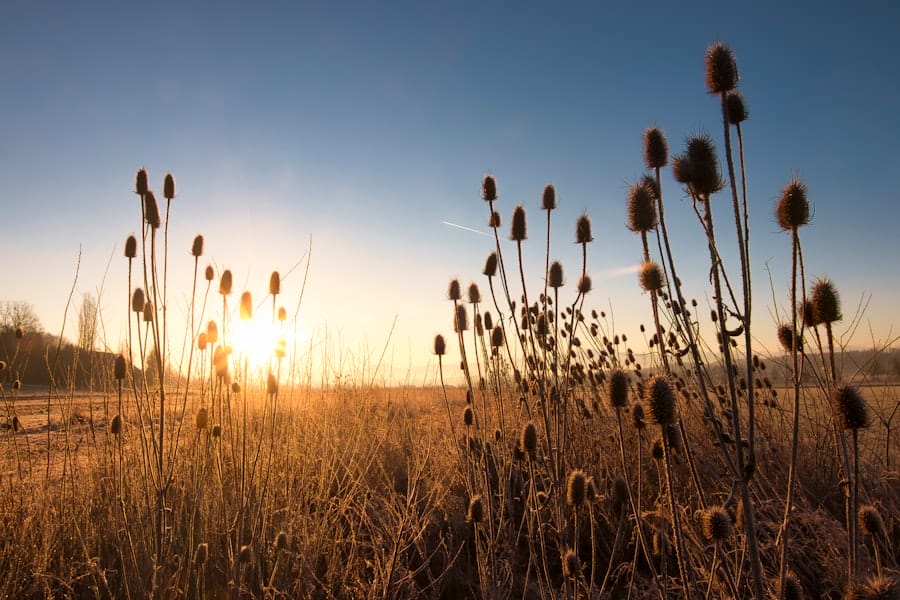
202, 419
460, 319
850, 408
637, 416
201, 554
528, 440
490, 265
571, 565
209, 274
245, 554
130, 247
789, 338
474, 294
468, 416
736, 108
141, 185
197, 246
716, 524
661, 400
225, 283
617, 388
584, 284
793, 590
217, 431
169, 186
17, 385
656, 450
619, 493
591, 494
651, 277
651, 184
201, 341
137, 300
220, 361
212, 332
583, 230
454, 291
826, 304
792, 209
489, 188
548, 197
497, 337
475, 513
115, 426
271, 384
809, 317
575, 488
875, 588
148, 312
246, 306
705, 178
721, 69
281, 540
440, 346
119, 368
151, 210
555, 277
642, 215
870, 521
518, 231
282, 314
682, 170
656, 149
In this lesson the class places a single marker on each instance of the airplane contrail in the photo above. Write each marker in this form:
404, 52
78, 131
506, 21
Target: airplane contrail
463, 227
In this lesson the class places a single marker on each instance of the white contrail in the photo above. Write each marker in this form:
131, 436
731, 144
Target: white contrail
448, 223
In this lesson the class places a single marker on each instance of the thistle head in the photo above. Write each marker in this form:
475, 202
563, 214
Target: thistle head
792, 209
489, 188
115, 426
151, 210
735, 108
282, 314
617, 389
518, 231
721, 69
555, 276
225, 283
130, 247
169, 186
275, 283
583, 230
850, 408
548, 197
681, 169
651, 276
661, 400
656, 148
571, 564
826, 305
271, 384
642, 215
793, 589
201, 341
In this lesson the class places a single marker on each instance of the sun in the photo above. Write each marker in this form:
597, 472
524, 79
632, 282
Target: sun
259, 341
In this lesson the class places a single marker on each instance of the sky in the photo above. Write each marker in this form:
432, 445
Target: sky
359, 130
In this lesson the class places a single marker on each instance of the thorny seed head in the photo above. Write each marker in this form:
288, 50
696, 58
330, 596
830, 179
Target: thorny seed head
140, 182
151, 210
281, 540
468, 416
440, 346
528, 441
494, 220
721, 69
716, 524
619, 493
17, 384
682, 170
555, 277
460, 319
661, 400
454, 291
225, 283
656, 450
169, 186
548, 197
271, 384
489, 188
201, 341
474, 294
637, 416
130, 247
642, 215
850, 408
246, 306
275, 283
792, 209
209, 274
736, 108
583, 230
793, 590
576, 487
115, 426
490, 265
584, 284
617, 388
826, 305
488, 320
245, 554
202, 419
217, 430
518, 231
497, 337
789, 338
475, 513
148, 312
137, 300
212, 332
870, 521
705, 179
874, 588
571, 565
651, 277
197, 246
656, 149
119, 368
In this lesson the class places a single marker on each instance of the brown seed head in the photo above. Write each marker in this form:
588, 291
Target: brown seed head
584, 284
140, 182
454, 292
637, 416
721, 69
617, 389
282, 314
518, 231
245, 554
474, 294
20, 333
209, 274
656, 149
488, 320
576, 487
661, 400
490, 265
460, 319
874, 588
440, 346
212, 332
225, 283
583, 230
494, 220
275, 283
497, 337
246, 306
130, 247
119, 368
202, 419
115, 426
555, 277
870, 521
619, 493
716, 524
571, 565
682, 170
642, 215
468, 416
148, 312
826, 305
789, 338
651, 277
201, 341
705, 179
197, 246
793, 590
169, 186
137, 300
489, 188
850, 408
528, 440
217, 430
548, 197
151, 210
656, 450
271, 384
17, 385
475, 513
792, 209
281, 540
735, 108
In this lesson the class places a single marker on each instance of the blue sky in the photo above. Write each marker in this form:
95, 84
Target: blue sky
363, 126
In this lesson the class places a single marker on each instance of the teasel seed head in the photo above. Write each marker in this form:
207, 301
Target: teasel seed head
454, 292
617, 388
217, 430
271, 384
151, 210
584, 284
637, 416
642, 215
281, 540
490, 265
548, 197
682, 170
280, 347
528, 441
555, 277
705, 178
141, 185
494, 220
656, 149
468, 416
197, 246
721, 69
275, 283
489, 188
461, 319
201, 554
488, 320
440, 346
17, 385
716, 524
2, 365
583, 230
808, 314
212, 332
736, 108
169, 186
792, 209
225, 283
282, 314
570, 563
661, 400
789, 338
518, 231
496, 336
619, 493
245, 554
137, 300
209, 274
201, 341
651, 277
115, 426
870, 521
877, 587
850, 408
576, 488
119, 368
202, 419
826, 304
148, 312
130, 247
474, 294
793, 590
475, 513
656, 449
246, 306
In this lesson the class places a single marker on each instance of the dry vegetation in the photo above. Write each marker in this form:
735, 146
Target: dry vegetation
575, 461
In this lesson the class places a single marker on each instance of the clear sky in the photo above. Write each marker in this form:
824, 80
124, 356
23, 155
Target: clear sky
364, 126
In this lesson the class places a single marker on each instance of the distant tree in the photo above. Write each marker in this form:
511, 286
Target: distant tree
87, 323
15, 314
